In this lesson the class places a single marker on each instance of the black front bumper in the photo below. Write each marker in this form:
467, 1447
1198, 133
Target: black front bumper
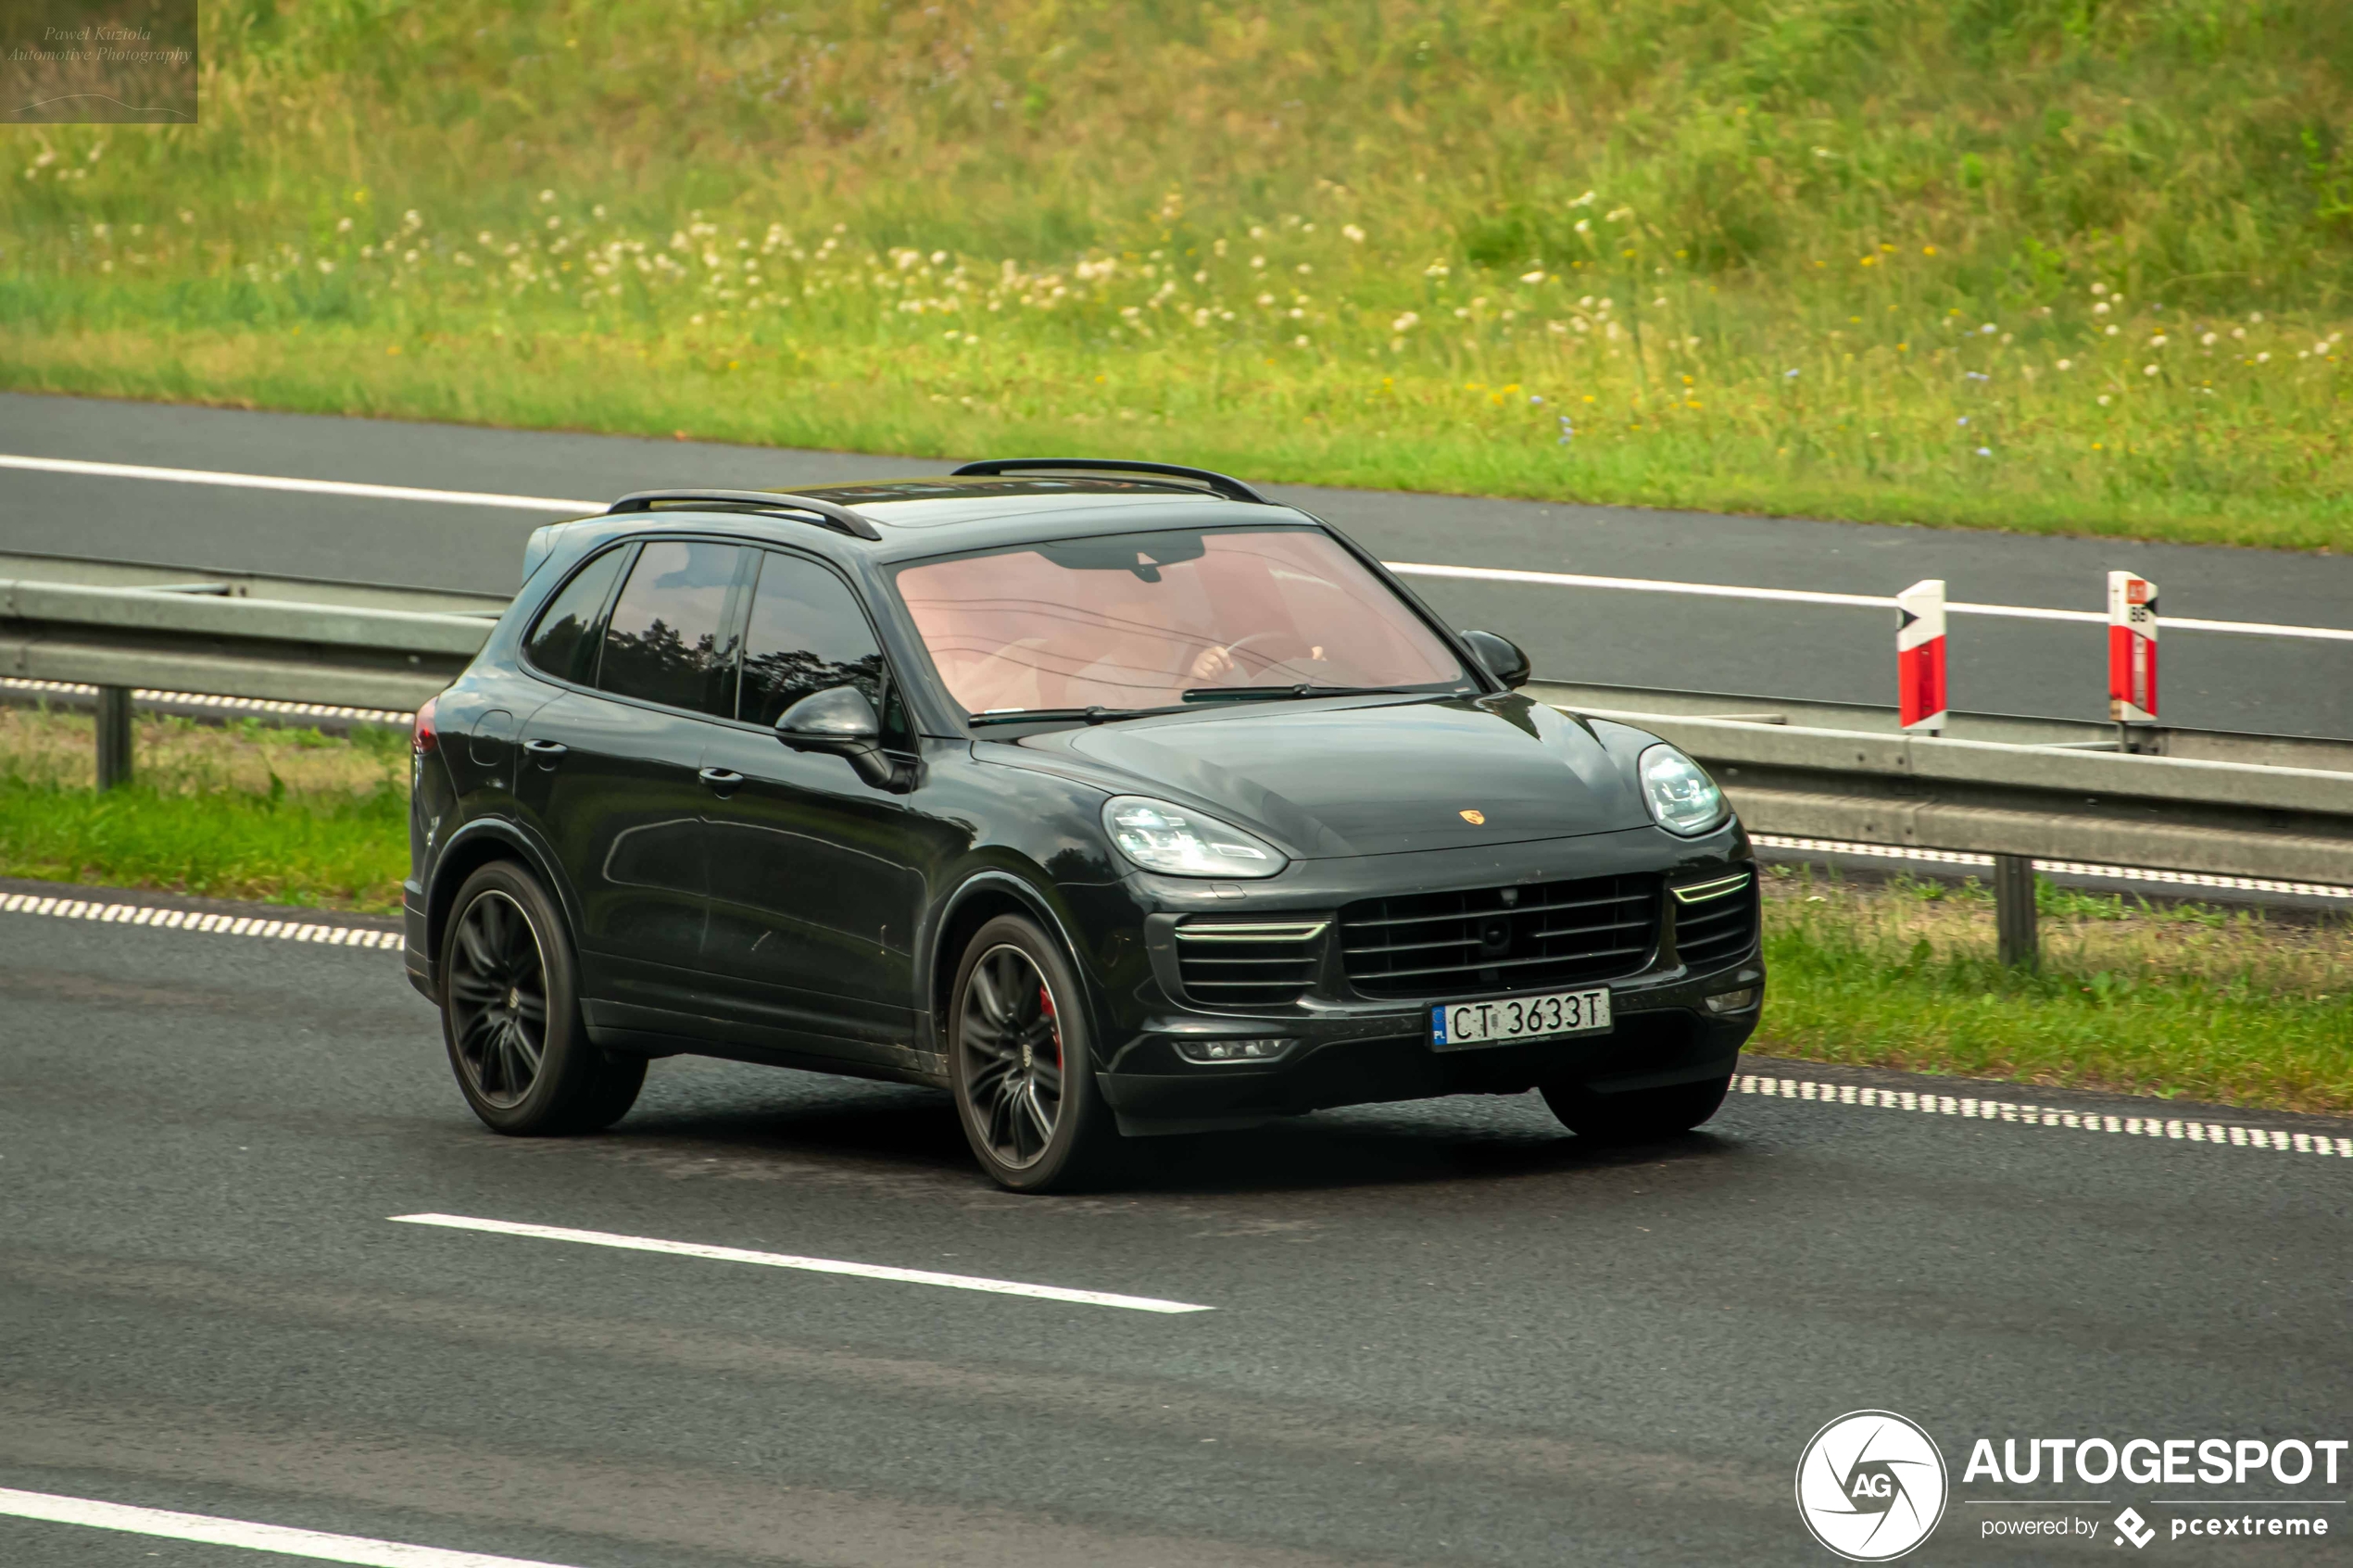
1346, 1049
1646, 1049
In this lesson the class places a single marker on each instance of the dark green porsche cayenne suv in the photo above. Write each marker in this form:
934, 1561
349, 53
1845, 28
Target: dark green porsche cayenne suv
1112, 797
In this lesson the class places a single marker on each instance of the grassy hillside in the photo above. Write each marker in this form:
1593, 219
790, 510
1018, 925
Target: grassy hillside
2040, 264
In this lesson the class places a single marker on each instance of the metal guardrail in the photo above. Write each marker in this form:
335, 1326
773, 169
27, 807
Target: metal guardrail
111, 624
119, 627
2016, 728
2030, 788
2021, 802
2229, 819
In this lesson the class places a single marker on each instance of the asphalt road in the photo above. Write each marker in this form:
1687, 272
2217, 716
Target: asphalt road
1442, 1334
2210, 681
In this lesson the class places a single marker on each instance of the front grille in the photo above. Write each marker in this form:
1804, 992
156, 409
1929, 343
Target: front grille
1713, 931
1499, 938
1248, 962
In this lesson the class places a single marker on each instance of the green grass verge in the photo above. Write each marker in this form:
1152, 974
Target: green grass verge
243, 812
348, 853
2189, 1002
2028, 264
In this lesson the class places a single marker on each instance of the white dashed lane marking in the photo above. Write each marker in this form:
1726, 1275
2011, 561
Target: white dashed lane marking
192, 920
2183, 1129
278, 1539
810, 1265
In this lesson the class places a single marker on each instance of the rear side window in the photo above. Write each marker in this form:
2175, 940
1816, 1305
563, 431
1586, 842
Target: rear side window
564, 643
807, 635
669, 640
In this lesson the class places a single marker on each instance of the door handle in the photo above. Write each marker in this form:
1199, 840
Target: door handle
547, 752
722, 780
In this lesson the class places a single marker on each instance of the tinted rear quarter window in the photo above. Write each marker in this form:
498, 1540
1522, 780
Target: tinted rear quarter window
667, 639
808, 634
564, 642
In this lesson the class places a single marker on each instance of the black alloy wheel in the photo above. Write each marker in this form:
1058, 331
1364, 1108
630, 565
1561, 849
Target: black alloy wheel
1024, 1088
1014, 1055
498, 998
510, 1014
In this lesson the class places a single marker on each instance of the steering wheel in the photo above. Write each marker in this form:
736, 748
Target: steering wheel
1233, 650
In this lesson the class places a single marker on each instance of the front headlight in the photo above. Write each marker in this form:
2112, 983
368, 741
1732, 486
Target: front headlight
1170, 839
1681, 795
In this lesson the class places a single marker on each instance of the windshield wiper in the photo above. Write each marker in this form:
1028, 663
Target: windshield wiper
1097, 715
1298, 689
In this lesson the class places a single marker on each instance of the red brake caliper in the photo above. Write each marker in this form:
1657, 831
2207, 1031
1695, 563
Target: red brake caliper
1046, 1006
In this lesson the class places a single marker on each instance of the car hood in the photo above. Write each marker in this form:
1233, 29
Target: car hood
1372, 777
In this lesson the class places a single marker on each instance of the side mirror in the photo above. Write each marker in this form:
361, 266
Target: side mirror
1502, 656
840, 722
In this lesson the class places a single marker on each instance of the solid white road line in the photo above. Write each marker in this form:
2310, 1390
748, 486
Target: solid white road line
810, 1265
208, 1530
192, 920
1403, 569
308, 486
1846, 601
2175, 1127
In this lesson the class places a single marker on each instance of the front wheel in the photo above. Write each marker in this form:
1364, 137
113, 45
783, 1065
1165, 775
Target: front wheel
1638, 1115
1019, 1057
510, 1014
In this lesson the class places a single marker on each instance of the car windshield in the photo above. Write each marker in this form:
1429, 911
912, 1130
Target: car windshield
1152, 620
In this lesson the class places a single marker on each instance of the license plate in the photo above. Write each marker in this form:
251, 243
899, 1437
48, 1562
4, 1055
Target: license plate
1519, 1017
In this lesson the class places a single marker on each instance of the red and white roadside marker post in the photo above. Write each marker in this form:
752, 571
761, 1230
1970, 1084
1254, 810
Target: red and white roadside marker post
1920, 708
2132, 658
1919, 658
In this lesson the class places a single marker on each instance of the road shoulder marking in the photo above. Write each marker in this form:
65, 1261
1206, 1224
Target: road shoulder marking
209, 1530
162, 919
809, 1265
2177, 1128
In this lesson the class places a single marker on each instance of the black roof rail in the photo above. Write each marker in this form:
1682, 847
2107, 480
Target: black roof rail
1223, 485
832, 514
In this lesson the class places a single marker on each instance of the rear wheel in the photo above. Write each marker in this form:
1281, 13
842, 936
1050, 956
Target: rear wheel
1638, 1115
1019, 1054
510, 1014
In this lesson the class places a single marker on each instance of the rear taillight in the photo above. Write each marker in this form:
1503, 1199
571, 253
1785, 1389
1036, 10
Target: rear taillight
424, 737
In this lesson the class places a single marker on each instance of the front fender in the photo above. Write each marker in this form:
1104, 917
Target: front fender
1026, 888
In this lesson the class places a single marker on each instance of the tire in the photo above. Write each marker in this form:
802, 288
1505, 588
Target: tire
1020, 1061
1639, 1115
510, 1014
